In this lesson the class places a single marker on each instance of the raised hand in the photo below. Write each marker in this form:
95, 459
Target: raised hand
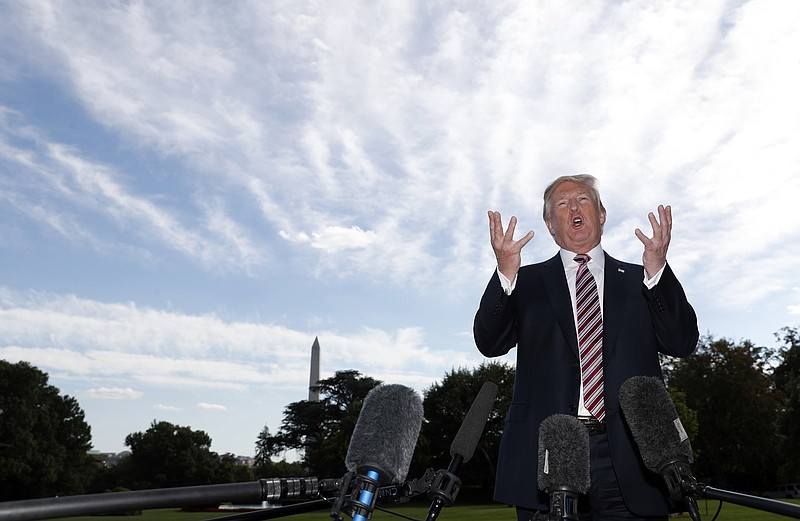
655, 248
506, 249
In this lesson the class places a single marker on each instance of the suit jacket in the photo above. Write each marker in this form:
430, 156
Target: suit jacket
537, 317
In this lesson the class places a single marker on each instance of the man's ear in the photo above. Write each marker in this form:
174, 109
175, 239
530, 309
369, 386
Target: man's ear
549, 224
602, 218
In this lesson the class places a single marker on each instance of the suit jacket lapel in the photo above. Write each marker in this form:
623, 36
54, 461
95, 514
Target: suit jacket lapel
555, 283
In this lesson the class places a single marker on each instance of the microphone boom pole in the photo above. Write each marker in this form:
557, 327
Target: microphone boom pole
269, 489
758, 503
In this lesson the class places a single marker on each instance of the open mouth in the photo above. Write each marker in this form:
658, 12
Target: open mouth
577, 221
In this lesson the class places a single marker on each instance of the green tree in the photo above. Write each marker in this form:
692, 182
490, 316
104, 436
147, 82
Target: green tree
729, 386
447, 403
285, 469
787, 382
168, 455
231, 471
321, 430
265, 450
44, 437
267, 446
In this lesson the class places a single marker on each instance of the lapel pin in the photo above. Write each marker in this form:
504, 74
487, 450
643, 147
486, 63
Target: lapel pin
620, 270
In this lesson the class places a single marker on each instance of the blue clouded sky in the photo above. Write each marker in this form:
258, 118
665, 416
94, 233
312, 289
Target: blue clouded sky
190, 192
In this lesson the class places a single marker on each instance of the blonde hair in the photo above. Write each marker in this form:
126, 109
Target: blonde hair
589, 181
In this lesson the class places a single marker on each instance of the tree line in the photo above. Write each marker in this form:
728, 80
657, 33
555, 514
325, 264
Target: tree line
739, 402
743, 403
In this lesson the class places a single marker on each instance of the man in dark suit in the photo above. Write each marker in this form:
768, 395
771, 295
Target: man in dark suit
642, 311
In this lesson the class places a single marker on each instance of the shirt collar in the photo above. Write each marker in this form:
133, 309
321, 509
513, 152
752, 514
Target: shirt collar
596, 254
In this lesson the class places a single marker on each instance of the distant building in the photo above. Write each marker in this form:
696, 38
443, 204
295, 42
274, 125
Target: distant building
108, 459
247, 461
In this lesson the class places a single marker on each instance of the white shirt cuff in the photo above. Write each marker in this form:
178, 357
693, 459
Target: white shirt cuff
508, 285
651, 283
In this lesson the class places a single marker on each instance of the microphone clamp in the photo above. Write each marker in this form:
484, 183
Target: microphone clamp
445, 487
677, 476
681, 484
365, 494
422, 485
339, 504
563, 504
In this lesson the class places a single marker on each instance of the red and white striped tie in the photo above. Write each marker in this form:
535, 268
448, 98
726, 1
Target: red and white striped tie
590, 338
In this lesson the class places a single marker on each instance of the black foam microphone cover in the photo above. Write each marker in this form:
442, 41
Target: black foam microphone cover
654, 422
660, 437
445, 485
563, 454
386, 433
474, 422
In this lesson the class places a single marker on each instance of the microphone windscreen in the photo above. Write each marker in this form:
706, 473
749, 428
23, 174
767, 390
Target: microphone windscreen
474, 422
563, 454
654, 422
386, 433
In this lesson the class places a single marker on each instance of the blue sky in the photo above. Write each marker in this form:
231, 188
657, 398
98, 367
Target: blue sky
190, 192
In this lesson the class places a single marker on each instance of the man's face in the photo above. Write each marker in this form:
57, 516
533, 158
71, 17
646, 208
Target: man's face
575, 220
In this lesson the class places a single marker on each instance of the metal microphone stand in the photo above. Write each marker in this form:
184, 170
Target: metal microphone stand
691, 489
321, 494
268, 489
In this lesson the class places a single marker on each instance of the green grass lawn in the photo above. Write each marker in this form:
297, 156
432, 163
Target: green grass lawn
418, 510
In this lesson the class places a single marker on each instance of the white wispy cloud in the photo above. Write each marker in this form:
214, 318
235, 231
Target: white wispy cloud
113, 393
90, 340
417, 135
334, 238
211, 406
70, 195
413, 136
356, 148
166, 408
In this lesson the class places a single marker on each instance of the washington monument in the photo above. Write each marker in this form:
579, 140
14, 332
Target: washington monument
313, 392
